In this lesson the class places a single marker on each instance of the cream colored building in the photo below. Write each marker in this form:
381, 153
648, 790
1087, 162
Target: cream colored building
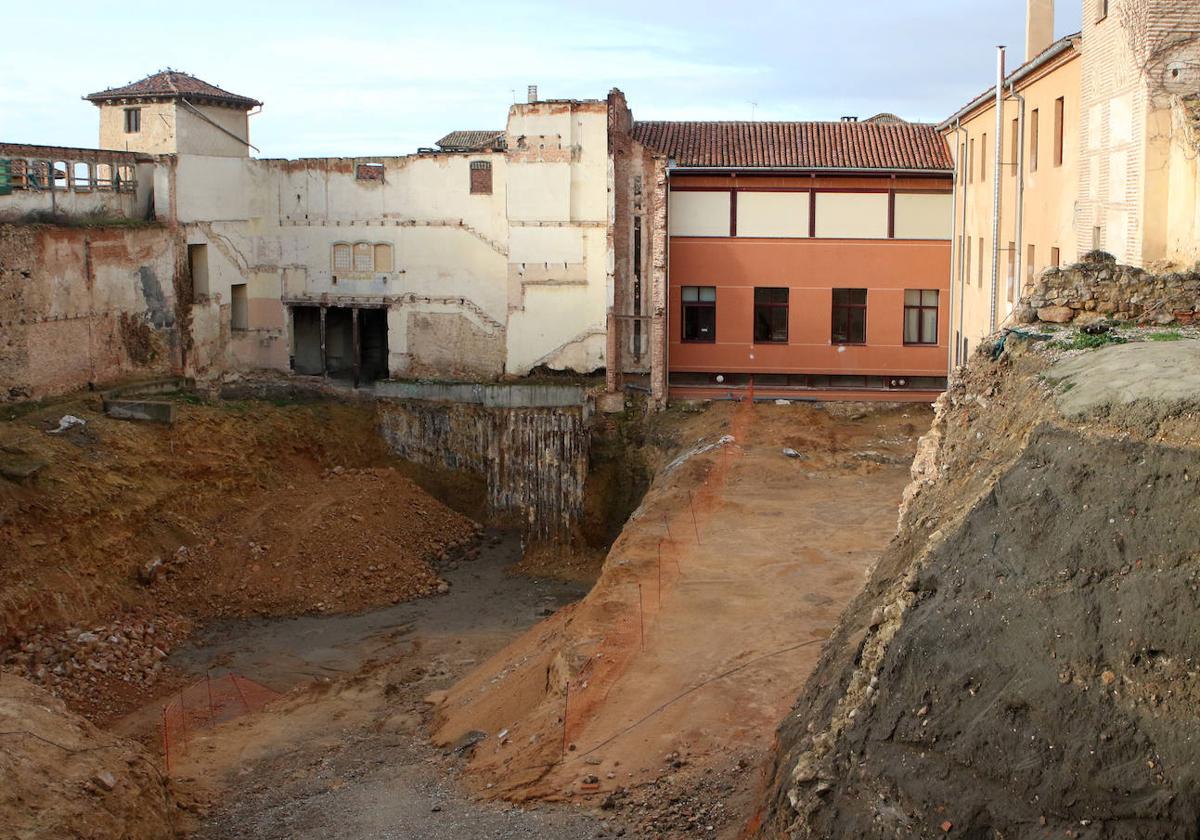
1096, 152
485, 257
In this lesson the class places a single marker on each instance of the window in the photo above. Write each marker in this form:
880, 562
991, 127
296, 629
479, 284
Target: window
967, 263
1013, 147
981, 262
239, 310
920, 316
971, 162
699, 313
1101, 10
81, 176
1033, 140
369, 172
383, 257
983, 159
481, 177
1030, 258
771, 315
962, 163
343, 260
1097, 237
133, 120
849, 316
1054, 257
1011, 273
1059, 105
364, 257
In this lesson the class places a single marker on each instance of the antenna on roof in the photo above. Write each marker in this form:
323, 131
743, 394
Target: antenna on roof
753, 110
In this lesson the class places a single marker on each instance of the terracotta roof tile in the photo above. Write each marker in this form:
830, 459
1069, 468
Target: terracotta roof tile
173, 83
470, 141
798, 145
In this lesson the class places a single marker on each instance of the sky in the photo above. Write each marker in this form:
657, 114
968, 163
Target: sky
357, 78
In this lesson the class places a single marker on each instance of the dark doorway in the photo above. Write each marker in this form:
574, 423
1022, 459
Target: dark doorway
306, 337
372, 331
352, 345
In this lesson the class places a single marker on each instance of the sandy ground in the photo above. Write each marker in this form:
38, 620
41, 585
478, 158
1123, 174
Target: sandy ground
676, 671
344, 754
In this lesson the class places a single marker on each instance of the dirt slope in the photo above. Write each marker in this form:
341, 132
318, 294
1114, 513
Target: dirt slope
131, 534
1023, 660
61, 777
660, 690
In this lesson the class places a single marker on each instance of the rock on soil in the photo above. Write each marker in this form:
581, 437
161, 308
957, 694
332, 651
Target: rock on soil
1024, 660
61, 777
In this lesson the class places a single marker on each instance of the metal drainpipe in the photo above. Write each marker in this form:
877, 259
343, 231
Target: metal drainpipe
962, 250
1019, 257
999, 145
957, 237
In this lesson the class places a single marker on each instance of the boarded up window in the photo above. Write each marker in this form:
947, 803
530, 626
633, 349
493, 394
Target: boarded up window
364, 257
369, 171
699, 213
383, 257
239, 307
481, 177
772, 214
923, 215
852, 215
341, 258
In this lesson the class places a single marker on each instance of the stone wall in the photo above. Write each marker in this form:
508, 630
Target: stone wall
85, 306
1099, 288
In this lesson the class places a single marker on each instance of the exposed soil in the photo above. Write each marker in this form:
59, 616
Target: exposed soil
1022, 661
60, 776
672, 673
132, 534
345, 753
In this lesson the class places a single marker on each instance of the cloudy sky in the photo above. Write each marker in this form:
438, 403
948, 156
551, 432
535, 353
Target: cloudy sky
373, 78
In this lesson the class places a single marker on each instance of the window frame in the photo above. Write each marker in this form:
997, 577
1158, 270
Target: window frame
848, 308
133, 117
921, 308
480, 166
1034, 118
1060, 110
698, 304
770, 307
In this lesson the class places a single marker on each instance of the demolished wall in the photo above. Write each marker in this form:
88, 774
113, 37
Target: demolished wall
83, 306
1100, 288
1022, 659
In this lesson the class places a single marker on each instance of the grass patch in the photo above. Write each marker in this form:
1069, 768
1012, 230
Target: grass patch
1085, 341
1165, 335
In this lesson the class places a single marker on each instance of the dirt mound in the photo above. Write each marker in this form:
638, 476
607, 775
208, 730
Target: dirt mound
1022, 662
62, 777
658, 691
239, 508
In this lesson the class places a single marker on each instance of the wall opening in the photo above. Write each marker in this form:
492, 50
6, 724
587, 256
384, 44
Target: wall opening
198, 268
239, 307
355, 342
306, 340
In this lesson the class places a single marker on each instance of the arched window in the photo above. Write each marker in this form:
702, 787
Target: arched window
81, 176
341, 258
364, 257
383, 257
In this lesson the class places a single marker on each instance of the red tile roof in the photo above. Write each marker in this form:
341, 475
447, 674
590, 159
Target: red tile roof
173, 83
470, 141
798, 145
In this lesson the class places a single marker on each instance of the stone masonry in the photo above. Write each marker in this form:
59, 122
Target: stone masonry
1099, 288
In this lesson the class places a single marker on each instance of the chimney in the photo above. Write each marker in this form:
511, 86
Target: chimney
1039, 27
532, 96
849, 119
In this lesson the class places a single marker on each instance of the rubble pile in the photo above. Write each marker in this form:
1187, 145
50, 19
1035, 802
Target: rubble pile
91, 668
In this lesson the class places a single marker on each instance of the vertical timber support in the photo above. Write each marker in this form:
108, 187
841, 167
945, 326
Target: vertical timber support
355, 344
324, 358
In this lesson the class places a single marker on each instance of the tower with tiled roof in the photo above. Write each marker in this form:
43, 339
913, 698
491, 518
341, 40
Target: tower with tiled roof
171, 112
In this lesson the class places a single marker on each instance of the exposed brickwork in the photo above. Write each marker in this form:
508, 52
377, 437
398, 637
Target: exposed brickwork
84, 307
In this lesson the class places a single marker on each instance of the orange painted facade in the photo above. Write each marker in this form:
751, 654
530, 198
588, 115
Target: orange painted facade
810, 268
